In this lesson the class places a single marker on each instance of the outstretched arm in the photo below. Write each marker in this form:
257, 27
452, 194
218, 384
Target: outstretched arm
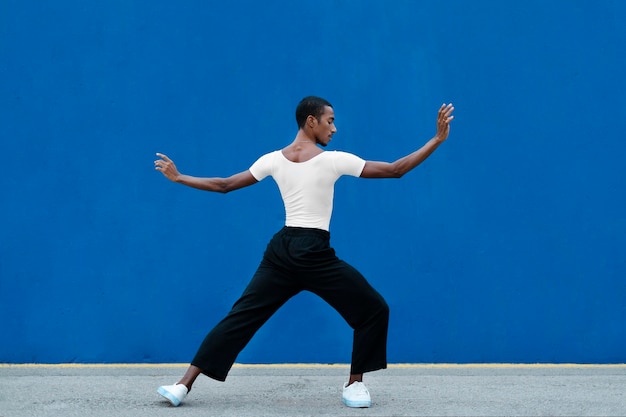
375, 169
220, 185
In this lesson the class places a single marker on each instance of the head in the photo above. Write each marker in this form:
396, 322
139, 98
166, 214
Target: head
316, 116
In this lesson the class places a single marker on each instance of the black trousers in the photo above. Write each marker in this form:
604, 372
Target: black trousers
300, 259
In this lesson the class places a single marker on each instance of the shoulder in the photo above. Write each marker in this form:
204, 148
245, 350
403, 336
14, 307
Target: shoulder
346, 163
343, 156
337, 154
268, 156
264, 165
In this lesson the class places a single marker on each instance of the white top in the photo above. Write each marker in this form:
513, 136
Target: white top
307, 188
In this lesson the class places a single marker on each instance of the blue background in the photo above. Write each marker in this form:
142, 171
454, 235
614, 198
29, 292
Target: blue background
507, 245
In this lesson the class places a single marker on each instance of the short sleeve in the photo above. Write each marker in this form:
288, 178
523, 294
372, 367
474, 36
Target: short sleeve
348, 164
262, 167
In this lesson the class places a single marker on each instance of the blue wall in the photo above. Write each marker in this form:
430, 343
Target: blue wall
508, 245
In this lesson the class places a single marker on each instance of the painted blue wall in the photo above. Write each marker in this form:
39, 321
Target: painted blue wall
508, 245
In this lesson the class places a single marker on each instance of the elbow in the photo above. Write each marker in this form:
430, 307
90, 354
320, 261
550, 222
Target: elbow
398, 169
397, 174
223, 187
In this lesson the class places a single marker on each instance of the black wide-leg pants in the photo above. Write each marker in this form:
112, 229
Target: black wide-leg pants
300, 259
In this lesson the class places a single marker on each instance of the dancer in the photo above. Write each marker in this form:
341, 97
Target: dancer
299, 257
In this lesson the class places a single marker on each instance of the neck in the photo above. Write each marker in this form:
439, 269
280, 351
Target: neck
302, 137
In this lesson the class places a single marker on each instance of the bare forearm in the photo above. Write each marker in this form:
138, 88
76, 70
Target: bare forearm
407, 163
444, 117
397, 169
219, 185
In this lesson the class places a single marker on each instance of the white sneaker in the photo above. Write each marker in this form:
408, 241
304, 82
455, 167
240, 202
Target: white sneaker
174, 393
356, 395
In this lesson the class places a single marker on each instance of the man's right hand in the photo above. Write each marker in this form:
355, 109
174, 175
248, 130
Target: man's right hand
167, 167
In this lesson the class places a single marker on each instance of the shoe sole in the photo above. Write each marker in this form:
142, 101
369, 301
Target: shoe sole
170, 397
357, 404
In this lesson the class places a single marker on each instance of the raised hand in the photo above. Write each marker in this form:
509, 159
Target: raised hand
444, 117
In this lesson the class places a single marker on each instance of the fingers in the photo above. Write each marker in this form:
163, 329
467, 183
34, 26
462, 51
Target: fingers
160, 155
445, 113
160, 164
444, 117
446, 109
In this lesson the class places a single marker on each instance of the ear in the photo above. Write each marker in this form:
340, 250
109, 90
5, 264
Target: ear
311, 121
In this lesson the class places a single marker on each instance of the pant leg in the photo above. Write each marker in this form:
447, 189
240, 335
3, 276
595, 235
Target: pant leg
268, 290
363, 308
298, 259
345, 289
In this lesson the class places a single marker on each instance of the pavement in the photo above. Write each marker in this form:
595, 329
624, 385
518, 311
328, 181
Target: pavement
315, 390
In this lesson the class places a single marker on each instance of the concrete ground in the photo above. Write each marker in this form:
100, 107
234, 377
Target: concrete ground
315, 390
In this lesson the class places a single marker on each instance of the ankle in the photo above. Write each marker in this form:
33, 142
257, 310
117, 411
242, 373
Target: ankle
355, 378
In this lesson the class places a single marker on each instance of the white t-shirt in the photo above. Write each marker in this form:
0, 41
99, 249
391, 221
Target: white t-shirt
307, 188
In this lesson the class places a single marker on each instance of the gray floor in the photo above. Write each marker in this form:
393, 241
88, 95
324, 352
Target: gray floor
306, 390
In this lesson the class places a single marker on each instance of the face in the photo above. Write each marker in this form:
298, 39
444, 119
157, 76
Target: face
324, 129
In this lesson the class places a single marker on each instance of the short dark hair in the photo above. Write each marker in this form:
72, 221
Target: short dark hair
310, 106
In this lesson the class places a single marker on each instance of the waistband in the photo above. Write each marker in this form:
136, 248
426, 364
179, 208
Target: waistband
304, 231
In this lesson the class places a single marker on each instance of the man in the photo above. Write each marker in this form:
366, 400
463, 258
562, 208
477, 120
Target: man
299, 257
